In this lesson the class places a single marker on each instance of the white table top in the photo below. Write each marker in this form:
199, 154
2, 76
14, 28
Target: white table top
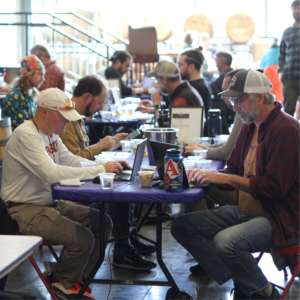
14, 249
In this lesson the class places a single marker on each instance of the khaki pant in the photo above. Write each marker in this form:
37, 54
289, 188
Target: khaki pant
214, 195
75, 227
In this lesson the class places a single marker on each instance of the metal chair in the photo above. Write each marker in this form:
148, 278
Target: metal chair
295, 251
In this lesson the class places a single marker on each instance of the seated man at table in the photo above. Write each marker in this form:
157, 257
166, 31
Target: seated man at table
121, 63
178, 92
89, 96
264, 167
19, 103
34, 159
55, 75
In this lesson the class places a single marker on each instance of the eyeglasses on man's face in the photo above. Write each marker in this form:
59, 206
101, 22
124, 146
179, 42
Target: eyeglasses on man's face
237, 101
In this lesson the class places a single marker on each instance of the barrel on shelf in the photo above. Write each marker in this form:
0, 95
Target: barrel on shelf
5, 133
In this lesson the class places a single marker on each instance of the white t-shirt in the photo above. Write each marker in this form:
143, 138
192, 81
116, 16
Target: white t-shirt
34, 161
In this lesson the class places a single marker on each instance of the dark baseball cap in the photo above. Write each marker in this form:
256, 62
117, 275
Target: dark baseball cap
247, 81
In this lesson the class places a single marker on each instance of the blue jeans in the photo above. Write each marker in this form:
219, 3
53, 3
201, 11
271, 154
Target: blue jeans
222, 241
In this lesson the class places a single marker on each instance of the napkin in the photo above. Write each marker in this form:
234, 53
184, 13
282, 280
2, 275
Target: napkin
72, 182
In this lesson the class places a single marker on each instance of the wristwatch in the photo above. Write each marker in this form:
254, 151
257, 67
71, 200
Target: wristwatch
156, 107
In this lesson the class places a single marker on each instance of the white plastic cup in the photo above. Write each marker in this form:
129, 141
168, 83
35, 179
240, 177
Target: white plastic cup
126, 146
204, 164
203, 153
198, 152
106, 115
107, 180
205, 140
189, 166
85, 164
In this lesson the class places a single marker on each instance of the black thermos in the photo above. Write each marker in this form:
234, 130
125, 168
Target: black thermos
214, 122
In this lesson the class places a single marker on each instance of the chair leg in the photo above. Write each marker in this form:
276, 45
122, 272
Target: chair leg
291, 280
43, 278
53, 252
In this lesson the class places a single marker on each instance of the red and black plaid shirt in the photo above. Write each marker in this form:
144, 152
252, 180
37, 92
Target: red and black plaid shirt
54, 77
276, 183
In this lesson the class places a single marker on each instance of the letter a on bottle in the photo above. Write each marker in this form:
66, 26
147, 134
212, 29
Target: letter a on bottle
171, 170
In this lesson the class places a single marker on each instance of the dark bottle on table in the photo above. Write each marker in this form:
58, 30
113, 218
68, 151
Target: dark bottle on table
214, 122
173, 171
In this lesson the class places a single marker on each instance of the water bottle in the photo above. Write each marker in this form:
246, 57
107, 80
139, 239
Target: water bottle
163, 118
173, 171
214, 122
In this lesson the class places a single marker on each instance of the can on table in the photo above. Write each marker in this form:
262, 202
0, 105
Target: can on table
173, 171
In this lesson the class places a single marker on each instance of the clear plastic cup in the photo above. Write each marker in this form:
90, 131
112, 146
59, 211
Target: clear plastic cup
113, 109
85, 164
203, 164
126, 146
198, 152
107, 180
189, 166
106, 115
203, 153
146, 178
193, 158
205, 140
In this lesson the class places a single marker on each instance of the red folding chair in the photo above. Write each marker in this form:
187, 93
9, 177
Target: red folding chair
295, 250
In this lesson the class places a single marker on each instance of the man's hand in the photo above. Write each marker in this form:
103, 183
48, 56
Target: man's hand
208, 175
191, 148
156, 98
120, 136
124, 164
113, 167
145, 109
106, 143
146, 103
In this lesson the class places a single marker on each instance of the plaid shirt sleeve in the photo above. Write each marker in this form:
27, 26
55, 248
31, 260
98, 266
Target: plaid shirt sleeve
54, 77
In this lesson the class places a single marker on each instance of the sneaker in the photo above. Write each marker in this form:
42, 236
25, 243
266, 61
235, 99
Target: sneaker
198, 270
130, 259
274, 296
48, 275
141, 247
238, 294
63, 293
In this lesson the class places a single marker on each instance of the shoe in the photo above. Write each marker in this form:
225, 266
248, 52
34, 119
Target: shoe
130, 259
274, 296
63, 293
238, 294
198, 270
48, 275
141, 247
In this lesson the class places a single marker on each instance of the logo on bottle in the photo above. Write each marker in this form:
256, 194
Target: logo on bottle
172, 169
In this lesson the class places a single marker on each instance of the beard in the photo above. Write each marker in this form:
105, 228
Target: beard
248, 118
165, 91
185, 76
88, 112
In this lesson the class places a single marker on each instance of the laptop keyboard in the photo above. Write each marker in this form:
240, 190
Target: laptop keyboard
122, 176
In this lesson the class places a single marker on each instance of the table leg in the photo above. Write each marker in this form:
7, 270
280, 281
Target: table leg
103, 243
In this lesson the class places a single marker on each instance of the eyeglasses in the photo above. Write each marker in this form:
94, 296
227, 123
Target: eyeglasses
237, 101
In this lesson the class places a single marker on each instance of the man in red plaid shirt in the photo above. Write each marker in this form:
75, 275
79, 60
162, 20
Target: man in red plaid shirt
55, 75
264, 167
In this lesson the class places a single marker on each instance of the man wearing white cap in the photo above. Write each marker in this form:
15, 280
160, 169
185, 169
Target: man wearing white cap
35, 159
264, 168
176, 92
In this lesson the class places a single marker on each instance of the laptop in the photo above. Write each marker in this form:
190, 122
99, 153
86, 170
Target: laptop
128, 175
159, 150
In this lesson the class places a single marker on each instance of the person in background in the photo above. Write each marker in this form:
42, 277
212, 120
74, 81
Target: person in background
121, 63
264, 167
289, 62
189, 64
88, 96
223, 62
269, 64
19, 103
188, 40
55, 76
176, 91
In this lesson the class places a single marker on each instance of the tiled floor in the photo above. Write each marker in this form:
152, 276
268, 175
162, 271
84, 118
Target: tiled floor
24, 279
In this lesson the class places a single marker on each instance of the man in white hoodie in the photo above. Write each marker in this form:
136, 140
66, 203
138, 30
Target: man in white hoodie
35, 158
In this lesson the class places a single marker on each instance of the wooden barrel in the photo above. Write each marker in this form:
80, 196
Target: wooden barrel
5, 133
198, 23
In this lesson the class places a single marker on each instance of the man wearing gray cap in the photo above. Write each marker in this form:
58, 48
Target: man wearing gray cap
177, 92
34, 159
264, 168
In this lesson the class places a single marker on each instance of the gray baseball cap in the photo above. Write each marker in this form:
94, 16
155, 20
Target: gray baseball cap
165, 68
247, 81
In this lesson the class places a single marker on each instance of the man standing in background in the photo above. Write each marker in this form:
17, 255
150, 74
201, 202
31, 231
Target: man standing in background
289, 62
55, 75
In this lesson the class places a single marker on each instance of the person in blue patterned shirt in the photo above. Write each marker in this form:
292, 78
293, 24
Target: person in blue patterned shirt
19, 103
289, 62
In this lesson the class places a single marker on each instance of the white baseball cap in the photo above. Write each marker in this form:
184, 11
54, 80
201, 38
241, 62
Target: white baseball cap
247, 81
55, 99
165, 68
